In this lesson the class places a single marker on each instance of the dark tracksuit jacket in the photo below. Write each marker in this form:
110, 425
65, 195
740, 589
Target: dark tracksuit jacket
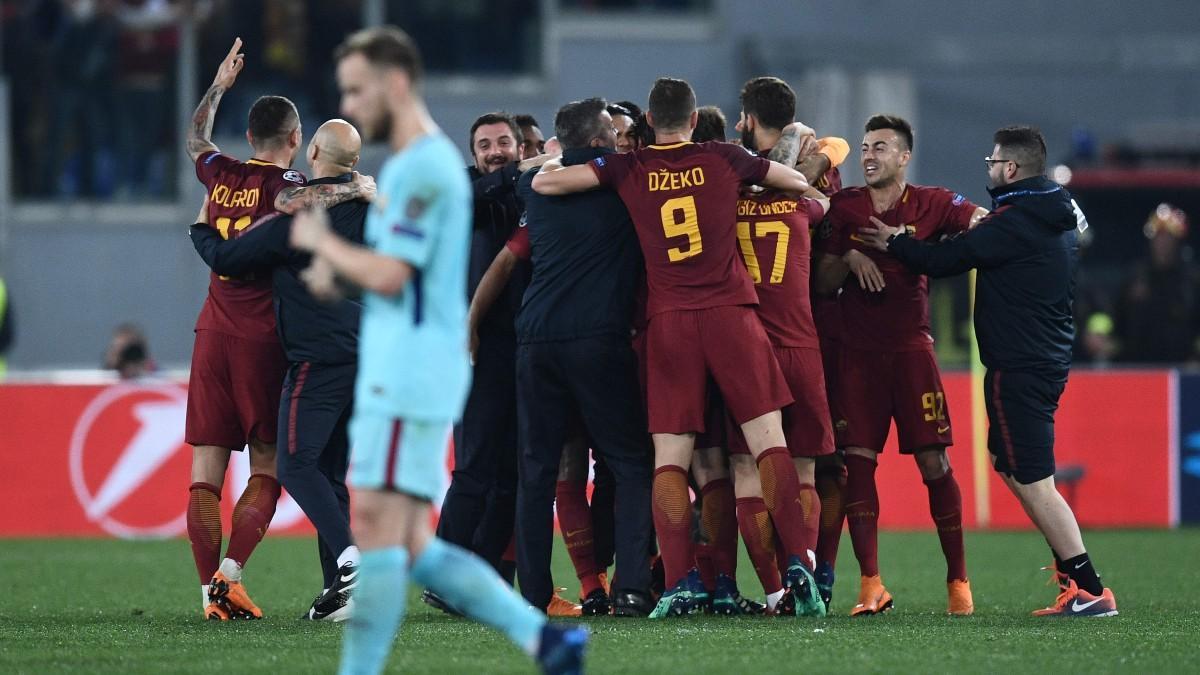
321, 343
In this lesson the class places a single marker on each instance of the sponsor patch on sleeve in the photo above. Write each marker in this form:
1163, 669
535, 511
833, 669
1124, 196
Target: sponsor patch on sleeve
211, 157
600, 161
958, 199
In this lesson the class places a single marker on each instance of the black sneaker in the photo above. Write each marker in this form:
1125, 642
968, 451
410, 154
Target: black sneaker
335, 604
435, 601
632, 603
750, 607
596, 603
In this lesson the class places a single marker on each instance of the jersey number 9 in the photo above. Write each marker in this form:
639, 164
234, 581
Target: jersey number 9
679, 219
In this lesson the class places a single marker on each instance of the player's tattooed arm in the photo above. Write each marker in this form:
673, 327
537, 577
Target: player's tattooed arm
814, 166
199, 139
796, 142
296, 199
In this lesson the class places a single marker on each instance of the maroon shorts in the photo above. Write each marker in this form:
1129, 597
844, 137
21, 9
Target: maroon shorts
714, 434
806, 422
727, 344
233, 393
876, 387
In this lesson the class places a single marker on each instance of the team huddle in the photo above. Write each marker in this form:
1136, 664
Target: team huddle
703, 317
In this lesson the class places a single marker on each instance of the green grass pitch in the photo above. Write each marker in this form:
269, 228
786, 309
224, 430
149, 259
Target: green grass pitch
132, 607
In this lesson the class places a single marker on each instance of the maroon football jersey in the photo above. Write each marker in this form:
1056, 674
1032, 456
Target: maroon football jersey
774, 236
683, 199
239, 193
895, 319
826, 312
829, 182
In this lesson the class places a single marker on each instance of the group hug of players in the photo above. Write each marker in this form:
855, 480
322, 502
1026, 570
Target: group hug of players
774, 348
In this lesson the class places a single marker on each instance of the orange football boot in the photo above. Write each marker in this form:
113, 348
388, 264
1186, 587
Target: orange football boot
873, 598
961, 602
1074, 601
560, 606
233, 593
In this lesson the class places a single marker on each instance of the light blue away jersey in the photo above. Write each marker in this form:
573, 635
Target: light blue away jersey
413, 359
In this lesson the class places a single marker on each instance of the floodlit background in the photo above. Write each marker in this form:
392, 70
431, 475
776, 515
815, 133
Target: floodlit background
96, 192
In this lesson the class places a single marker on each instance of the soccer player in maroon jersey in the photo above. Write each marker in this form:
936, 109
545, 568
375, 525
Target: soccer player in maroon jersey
887, 368
237, 363
827, 316
682, 197
774, 234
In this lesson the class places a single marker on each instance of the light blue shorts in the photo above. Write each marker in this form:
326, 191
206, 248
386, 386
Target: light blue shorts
393, 453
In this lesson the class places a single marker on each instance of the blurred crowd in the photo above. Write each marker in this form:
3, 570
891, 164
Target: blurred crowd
94, 96
87, 83
1153, 315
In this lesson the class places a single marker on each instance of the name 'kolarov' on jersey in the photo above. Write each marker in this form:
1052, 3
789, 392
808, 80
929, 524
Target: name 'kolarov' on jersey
239, 193
413, 360
895, 319
682, 199
774, 234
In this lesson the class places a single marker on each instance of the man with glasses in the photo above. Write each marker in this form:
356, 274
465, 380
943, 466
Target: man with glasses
1026, 252
887, 369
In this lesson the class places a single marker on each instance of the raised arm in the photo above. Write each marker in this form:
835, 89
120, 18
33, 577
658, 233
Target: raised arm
293, 200
199, 139
556, 179
795, 142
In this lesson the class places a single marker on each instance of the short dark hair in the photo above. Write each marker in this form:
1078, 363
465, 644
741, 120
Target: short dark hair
672, 103
270, 121
615, 109
578, 122
634, 109
1026, 145
525, 120
771, 100
893, 122
384, 46
710, 124
643, 131
497, 117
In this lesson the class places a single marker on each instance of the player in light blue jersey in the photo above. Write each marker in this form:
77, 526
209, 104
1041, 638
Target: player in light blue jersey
413, 370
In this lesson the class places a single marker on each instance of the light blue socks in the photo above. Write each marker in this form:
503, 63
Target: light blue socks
378, 611
471, 586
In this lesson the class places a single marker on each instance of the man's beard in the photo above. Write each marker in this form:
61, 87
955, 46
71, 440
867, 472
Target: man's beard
382, 130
